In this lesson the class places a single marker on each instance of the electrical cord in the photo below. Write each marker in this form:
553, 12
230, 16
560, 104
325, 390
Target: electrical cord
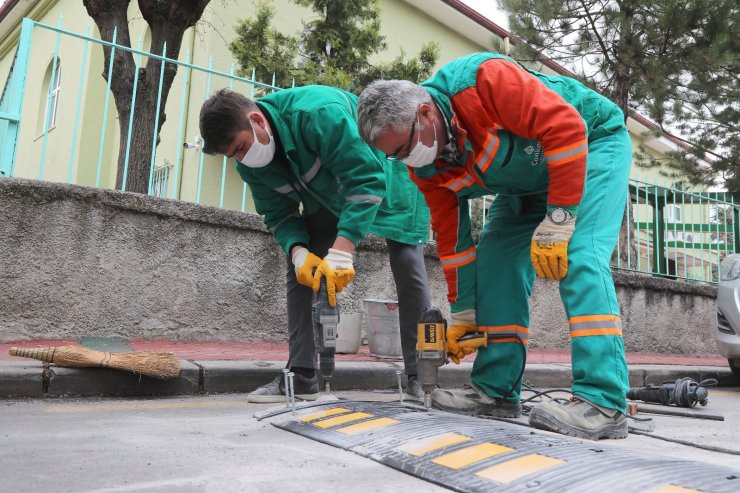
686, 391
685, 442
682, 387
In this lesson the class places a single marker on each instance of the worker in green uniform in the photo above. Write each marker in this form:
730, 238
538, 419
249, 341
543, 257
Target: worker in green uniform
321, 190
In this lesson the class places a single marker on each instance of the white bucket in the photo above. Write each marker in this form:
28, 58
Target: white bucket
349, 333
383, 328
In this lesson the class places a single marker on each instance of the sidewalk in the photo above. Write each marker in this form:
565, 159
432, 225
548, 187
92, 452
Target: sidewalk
212, 367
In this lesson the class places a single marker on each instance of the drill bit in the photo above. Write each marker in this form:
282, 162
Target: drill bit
400, 390
291, 391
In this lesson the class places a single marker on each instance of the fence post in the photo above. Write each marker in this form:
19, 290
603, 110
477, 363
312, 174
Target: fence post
17, 86
658, 246
736, 227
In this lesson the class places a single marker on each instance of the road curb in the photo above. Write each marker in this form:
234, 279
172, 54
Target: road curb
29, 380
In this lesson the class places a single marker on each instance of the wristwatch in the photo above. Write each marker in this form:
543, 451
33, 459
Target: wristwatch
559, 215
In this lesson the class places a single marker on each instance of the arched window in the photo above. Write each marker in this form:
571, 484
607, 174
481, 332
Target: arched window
50, 96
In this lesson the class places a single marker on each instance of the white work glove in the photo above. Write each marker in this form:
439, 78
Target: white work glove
338, 271
549, 251
305, 264
461, 324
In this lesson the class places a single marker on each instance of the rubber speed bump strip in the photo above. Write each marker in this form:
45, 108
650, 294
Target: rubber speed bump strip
324, 414
424, 443
470, 455
340, 420
430, 444
517, 468
367, 425
671, 488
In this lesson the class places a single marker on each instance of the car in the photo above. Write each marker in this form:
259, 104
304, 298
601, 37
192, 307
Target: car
728, 312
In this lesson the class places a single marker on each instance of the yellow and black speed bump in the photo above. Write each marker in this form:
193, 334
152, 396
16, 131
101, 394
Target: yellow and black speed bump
476, 455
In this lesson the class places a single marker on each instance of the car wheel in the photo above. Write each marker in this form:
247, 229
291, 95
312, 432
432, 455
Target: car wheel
735, 367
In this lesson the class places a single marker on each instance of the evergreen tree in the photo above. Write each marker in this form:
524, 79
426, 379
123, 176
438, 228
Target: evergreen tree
267, 51
675, 61
332, 49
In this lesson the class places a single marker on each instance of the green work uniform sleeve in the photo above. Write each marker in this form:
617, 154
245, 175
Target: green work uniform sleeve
331, 133
280, 214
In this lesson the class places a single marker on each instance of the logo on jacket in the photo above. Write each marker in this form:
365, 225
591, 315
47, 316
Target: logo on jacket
539, 153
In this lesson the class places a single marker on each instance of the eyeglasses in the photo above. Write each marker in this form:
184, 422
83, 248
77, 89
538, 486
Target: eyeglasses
406, 150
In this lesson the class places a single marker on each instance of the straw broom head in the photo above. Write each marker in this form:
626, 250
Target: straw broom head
162, 365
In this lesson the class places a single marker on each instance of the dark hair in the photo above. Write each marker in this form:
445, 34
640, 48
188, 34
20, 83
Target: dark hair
221, 116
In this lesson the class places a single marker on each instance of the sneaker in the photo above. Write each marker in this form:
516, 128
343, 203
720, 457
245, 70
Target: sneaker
473, 401
413, 388
579, 418
306, 389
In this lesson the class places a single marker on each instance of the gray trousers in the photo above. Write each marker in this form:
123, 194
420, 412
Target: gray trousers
412, 288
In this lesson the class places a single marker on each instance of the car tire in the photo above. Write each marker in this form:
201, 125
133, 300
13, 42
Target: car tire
735, 367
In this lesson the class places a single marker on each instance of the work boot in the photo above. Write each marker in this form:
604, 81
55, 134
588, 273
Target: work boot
413, 388
473, 401
304, 388
579, 418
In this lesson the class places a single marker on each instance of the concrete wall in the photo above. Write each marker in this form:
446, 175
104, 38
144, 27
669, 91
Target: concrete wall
78, 261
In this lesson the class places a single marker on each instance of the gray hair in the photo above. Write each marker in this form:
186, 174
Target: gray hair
388, 104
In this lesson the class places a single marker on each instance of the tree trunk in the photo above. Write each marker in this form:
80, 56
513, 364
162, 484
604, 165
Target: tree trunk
622, 74
168, 21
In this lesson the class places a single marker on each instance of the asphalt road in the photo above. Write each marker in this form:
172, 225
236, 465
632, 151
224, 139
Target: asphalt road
213, 444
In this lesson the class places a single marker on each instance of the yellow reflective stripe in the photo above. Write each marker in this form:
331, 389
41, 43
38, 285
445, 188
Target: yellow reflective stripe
367, 425
430, 444
470, 455
514, 469
323, 414
672, 488
340, 420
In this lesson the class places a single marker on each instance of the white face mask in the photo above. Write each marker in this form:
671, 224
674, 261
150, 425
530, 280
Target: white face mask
259, 155
421, 155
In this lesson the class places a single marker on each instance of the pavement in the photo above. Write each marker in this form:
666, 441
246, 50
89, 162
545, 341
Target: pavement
221, 367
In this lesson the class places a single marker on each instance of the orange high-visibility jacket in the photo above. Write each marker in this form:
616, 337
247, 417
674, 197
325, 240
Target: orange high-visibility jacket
515, 131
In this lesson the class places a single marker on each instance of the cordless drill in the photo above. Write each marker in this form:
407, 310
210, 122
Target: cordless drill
325, 319
431, 348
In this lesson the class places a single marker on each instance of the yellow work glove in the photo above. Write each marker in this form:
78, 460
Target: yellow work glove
549, 251
338, 271
461, 325
305, 263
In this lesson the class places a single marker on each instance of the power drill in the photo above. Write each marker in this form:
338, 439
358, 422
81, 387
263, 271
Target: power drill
431, 348
325, 320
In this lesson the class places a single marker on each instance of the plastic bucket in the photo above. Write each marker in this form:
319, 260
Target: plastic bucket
383, 328
349, 333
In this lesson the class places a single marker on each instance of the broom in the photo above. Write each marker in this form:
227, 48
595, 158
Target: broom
160, 365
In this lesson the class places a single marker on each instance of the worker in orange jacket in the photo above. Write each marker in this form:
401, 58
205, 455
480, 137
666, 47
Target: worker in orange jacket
557, 156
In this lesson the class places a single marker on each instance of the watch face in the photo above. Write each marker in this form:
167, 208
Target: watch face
558, 216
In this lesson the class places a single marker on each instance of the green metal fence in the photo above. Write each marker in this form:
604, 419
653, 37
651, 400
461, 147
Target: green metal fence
178, 168
675, 233
679, 233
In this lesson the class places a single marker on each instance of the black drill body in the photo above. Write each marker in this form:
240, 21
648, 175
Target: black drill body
325, 320
684, 392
